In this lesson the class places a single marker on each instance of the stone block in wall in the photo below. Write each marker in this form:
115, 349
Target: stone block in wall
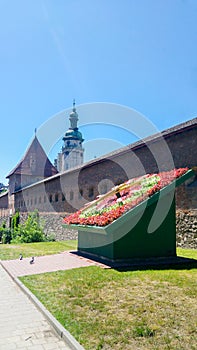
186, 227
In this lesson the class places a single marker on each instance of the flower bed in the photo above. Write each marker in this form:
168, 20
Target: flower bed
110, 206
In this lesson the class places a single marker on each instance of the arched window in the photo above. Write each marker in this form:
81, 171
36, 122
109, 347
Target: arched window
56, 197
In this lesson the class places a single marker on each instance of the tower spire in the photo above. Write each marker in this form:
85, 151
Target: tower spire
74, 108
73, 117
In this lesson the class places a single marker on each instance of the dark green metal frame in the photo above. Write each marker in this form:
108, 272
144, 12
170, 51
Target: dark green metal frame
128, 237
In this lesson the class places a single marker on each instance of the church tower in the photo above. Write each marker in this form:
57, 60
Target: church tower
72, 150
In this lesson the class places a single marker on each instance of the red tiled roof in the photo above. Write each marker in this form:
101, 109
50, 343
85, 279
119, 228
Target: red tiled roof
35, 162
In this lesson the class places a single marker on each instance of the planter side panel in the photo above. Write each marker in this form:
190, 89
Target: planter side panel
138, 243
95, 243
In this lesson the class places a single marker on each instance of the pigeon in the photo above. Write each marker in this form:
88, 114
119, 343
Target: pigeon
32, 260
20, 257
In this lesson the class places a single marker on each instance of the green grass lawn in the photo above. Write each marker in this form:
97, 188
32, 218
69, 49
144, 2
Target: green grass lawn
12, 251
108, 309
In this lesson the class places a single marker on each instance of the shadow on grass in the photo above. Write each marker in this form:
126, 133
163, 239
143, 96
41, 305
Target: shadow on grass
160, 263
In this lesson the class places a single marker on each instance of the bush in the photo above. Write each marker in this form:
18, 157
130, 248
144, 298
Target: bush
30, 231
6, 235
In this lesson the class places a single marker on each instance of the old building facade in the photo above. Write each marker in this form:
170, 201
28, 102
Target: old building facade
64, 192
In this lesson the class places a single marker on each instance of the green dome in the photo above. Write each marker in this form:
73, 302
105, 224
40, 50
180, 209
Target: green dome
73, 134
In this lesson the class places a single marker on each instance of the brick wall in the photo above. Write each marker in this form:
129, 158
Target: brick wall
71, 190
4, 201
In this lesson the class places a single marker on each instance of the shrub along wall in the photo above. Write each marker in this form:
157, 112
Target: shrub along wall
186, 226
53, 225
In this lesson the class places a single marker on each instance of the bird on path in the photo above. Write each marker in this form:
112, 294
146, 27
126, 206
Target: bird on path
32, 260
20, 257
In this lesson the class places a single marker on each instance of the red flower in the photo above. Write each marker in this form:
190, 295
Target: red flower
134, 192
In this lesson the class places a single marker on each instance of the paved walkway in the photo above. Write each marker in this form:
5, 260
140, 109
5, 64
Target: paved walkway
48, 263
22, 325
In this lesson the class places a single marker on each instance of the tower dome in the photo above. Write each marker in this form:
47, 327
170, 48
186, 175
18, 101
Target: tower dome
72, 151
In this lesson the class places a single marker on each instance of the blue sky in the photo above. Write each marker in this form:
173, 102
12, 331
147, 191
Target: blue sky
136, 53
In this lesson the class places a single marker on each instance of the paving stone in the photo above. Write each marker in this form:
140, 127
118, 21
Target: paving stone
22, 325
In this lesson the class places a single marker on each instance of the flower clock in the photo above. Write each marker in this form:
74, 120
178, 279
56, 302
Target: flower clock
121, 198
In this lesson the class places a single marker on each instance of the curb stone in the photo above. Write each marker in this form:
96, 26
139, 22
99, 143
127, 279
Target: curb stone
60, 330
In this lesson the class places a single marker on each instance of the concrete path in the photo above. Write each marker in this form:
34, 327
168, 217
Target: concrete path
22, 325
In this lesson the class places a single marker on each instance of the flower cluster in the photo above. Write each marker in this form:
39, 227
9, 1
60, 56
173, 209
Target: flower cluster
122, 198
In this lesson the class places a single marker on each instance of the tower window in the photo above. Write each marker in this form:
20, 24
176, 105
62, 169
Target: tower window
50, 198
80, 193
71, 195
56, 197
91, 192
63, 197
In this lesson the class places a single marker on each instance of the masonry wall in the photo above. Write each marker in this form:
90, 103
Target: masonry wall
69, 191
4, 201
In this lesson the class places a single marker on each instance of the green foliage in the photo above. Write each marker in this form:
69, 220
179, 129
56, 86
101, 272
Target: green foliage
15, 221
142, 330
30, 231
5, 235
51, 237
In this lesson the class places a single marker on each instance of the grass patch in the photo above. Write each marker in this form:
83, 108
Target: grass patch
12, 251
107, 309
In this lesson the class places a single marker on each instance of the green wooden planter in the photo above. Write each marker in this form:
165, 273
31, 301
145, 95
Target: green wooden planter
128, 237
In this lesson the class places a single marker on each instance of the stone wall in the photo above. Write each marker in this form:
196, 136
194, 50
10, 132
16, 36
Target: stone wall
53, 226
52, 223
70, 190
4, 218
186, 226
4, 200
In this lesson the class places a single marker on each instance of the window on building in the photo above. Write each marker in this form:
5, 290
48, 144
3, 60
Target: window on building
56, 197
91, 192
50, 198
71, 195
80, 194
40, 199
63, 197
35, 200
